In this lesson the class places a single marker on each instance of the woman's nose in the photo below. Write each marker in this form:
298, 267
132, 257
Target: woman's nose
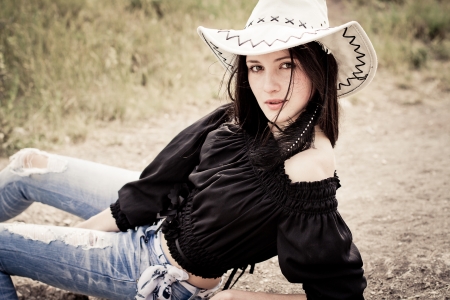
271, 83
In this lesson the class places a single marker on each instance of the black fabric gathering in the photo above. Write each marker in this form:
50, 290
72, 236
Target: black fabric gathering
233, 214
140, 201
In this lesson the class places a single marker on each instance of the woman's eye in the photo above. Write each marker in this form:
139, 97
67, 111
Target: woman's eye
286, 65
255, 68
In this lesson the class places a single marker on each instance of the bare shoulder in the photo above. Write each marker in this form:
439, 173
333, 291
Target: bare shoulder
313, 164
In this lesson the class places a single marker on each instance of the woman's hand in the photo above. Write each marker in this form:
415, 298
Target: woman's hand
103, 221
242, 295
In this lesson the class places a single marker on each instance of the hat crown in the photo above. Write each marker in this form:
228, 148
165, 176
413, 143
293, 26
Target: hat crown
303, 14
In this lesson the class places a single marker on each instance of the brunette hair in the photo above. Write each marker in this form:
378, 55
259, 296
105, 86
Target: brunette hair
320, 67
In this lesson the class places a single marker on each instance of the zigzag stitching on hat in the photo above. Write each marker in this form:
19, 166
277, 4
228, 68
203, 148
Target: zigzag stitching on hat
263, 41
288, 21
361, 55
216, 51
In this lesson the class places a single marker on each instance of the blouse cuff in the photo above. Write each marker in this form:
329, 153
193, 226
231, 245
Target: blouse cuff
121, 220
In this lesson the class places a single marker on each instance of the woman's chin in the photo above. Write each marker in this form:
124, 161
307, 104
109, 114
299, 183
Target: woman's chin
280, 121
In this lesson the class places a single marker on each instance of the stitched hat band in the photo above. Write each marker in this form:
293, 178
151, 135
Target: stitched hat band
283, 24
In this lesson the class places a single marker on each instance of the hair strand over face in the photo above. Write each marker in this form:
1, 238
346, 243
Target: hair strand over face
321, 68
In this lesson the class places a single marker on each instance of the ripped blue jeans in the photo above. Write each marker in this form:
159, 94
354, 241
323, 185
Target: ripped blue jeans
95, 263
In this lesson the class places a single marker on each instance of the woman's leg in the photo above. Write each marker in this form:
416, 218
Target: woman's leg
95, 263
84, 261
79, 187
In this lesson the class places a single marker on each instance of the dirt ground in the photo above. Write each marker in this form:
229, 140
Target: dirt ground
394, 165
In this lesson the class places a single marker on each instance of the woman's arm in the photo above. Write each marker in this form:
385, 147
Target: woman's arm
141, 201
103, 221
314, 244
243, 295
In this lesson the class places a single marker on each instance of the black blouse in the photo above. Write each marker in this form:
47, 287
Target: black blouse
223, 213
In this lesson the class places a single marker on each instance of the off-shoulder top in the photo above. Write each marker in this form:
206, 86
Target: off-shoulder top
224, 213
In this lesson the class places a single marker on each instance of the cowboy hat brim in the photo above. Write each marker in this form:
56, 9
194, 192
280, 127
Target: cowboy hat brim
348, 43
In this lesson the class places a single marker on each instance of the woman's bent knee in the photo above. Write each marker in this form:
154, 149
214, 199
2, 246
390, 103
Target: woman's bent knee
16, 182
30, 161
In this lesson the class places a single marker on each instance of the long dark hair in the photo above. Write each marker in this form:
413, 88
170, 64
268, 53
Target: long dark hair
321, 68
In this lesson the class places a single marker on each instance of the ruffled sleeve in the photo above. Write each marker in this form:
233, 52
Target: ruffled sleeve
315, 245
140, 201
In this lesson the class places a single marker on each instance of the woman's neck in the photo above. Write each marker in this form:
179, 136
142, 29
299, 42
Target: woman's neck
276, 129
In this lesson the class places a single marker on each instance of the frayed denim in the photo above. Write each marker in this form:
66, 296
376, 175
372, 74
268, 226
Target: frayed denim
95, 263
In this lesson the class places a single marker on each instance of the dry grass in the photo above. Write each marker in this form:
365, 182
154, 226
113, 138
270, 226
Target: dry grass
409, 36
66, 65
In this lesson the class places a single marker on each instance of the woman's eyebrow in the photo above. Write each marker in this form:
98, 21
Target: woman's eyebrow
281, 58
277, 59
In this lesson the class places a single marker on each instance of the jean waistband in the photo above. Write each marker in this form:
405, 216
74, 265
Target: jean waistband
158, 248
155, 243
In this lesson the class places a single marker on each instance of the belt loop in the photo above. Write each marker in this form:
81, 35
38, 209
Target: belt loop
194, 294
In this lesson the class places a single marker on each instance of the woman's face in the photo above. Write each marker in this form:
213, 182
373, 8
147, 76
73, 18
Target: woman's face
269, 76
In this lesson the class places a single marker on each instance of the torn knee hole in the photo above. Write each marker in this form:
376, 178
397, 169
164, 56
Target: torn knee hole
33, 161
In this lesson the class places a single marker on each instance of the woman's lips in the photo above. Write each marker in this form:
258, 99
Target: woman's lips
275, 104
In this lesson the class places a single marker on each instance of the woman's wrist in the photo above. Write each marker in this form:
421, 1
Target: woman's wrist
103, 221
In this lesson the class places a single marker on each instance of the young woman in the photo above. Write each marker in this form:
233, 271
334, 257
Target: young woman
251, 180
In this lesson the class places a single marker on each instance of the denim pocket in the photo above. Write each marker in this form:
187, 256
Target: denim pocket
179, 292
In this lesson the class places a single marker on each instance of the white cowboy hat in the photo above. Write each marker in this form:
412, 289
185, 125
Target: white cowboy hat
281, 24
